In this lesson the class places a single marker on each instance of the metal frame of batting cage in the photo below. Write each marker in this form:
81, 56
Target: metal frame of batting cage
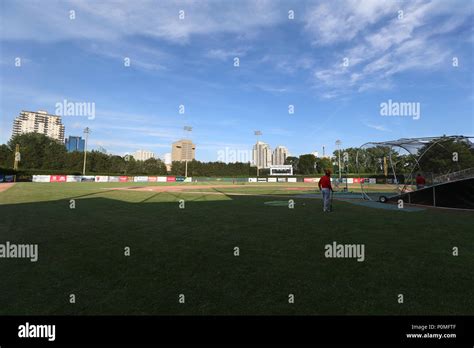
405, 144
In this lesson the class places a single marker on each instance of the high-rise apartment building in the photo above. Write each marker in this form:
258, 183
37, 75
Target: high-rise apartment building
279, 155
183, 150
262, 155
39, 122
143, 155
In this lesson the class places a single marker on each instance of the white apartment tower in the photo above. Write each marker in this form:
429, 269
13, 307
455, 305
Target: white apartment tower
279, 155
262, 155
39, 122
143, 155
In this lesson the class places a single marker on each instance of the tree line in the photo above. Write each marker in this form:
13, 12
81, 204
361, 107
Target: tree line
40, 153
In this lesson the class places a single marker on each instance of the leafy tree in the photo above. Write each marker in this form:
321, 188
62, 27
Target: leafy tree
322, 164
293, 161
307, 164
6, 156
39, 151
440, 156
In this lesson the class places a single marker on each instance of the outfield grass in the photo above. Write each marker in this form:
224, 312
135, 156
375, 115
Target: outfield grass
190, 251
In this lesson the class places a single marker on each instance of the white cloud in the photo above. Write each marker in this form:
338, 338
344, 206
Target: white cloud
377, 127
113, 20
381, 44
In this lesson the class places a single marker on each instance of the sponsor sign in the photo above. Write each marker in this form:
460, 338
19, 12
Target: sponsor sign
291, 179
262, 180
281, 179
152, 179
58, 178
9, 178
180, 178
162, 179
350, 180
2, 177
356, 180
73, 178
41, 178
114, 178
252, 179
272, 179
188, 179
310, 180
170, 179
101, 178
88, 178
372, 181
140, 179
123, 178
285, 169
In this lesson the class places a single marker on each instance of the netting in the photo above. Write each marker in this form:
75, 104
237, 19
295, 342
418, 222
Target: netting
397, 163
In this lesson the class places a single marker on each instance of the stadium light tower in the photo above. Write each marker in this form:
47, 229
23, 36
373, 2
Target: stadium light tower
186, 129
338, 144
257, 134
86, 134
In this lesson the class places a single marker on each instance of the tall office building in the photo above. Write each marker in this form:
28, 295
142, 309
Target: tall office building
143, 155
74, 143
262, 155
183, 150
279, 155
39, 122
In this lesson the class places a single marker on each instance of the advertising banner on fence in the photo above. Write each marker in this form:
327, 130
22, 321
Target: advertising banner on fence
88, 178
272, 179
123, 178
170, 179
188, 179
162, 179
140, 179
311, 179
58, 178
114, 178
101, 178
180, 178
281, 179
2, 177
252, 179
9, 178
261, 179
291, 179
350, 180
356, 180
152, 179
74, 178
41, 178
372, 181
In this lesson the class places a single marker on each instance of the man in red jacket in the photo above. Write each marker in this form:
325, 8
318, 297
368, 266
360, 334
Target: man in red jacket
324, 185
420, 182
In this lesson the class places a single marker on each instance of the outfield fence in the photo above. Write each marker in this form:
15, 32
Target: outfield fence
61, 178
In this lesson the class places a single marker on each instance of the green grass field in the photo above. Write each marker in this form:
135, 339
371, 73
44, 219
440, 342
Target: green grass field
190, 251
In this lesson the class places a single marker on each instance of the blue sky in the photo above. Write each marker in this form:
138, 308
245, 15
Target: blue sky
403, 56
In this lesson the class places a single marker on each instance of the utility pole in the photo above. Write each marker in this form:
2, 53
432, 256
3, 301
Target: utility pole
187, 129
86, 134
338, 144
17, 157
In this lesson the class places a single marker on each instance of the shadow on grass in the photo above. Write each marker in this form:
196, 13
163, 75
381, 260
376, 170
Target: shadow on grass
192, 251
